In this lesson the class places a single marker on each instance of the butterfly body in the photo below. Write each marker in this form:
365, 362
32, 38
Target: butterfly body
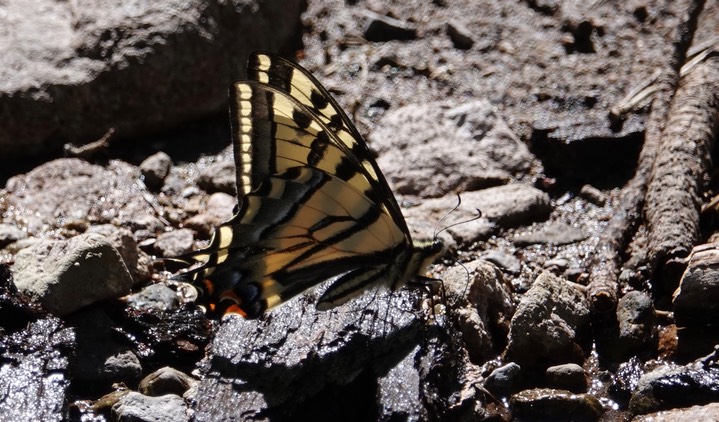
313, 204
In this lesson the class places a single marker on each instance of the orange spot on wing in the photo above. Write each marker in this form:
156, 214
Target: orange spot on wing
234, 309
209, 286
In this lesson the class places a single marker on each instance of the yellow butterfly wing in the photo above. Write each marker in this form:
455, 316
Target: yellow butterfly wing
313, 203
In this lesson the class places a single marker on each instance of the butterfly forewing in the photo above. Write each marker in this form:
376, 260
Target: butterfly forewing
312, 202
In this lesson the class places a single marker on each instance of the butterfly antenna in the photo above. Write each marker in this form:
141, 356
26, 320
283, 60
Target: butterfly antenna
459, 202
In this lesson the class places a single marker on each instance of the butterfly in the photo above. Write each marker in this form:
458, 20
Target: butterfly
313, 204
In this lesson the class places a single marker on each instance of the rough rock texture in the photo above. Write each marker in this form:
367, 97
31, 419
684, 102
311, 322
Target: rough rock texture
99, 64
67, 275
696, 301
298, 361
33, 375
137, 407
482, 151
548, 324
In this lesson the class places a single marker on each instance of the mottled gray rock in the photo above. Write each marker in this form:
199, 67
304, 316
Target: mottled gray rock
505, 261
216, 211
556, 233
136, 261
174, 243
548, 325
71, 189
555, 405
507, 206
637, 323
155, 169
82, 73
9, 234
299, 362
669, 386
593, 195
707, 412
459, 34
135, 407
482, 304
696, 301
218, 177
483, 151
67, 275
569, 376
504, 380
33, 374
166, 380
100, 356
157, 296
380, 28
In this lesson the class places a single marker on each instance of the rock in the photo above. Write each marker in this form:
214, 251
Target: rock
668, 387
696, 301
218, 210
593, 195
10, 234
157, 296
65, 276
549, 323
98, 55
101, 357
482, 305
569, 376
301, 362
625, 381
506, 206
136, 261
155, 169
34, 376
505, 261
71, 189
637, 323
218, 177
556, 233
174, 243
459, 34
166, 380
555, 405
137, 407
707, 412
505, 380
380, 28
484, 152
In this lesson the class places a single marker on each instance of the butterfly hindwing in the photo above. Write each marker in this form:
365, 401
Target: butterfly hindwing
313, 204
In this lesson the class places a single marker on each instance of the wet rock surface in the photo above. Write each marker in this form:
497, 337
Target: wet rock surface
504, 104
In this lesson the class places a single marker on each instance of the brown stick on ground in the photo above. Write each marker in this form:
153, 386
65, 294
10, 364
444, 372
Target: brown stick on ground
682, 164
606, 261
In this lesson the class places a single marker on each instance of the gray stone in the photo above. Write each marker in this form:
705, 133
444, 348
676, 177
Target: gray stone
504, 380
568, 376
547, 325
696, 301
10, 234
100, 356
557, 233
174, 243
706, 412
136, 407
484, 152
65, 276
555, 405
166, 380
669, 386
156, 296
155, 169
459, 34
72, 190
218, 177
82, 73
